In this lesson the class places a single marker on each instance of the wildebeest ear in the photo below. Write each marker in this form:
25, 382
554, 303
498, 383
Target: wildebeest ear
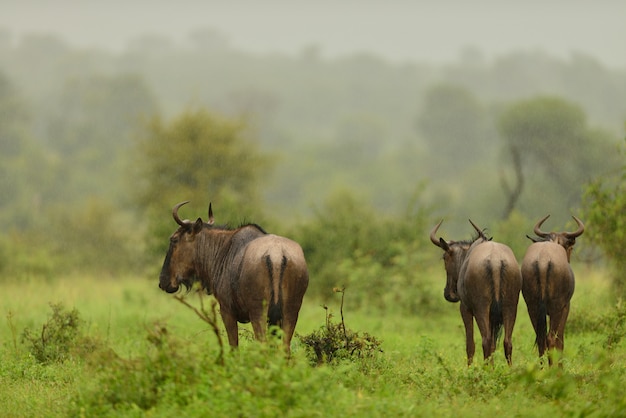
443, 244
197, 226
211, 220
531, 238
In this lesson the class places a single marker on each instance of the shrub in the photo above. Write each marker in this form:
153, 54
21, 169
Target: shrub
59, 334
335, 342
348, 243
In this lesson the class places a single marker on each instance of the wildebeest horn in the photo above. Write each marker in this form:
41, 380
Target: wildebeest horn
538, 230
211, 220
480, 232
579, 231
175, 212
433, 238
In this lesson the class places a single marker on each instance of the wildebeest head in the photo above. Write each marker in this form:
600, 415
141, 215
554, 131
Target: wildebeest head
454, 254
180, 266
564, 239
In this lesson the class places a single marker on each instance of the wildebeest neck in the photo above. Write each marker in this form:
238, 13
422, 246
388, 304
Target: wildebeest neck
219, 251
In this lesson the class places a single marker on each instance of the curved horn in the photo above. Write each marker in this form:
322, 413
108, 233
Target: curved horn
433, 238
211, 220
579, 231
175, 212
537, 228
480, 232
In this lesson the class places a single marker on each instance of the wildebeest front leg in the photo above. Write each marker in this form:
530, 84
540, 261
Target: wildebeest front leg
488, 340
230, 323
258, 327
468, 321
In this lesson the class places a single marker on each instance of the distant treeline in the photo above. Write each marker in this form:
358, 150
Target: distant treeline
478, 138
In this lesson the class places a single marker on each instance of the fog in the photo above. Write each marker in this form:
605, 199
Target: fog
432, 31
406, 110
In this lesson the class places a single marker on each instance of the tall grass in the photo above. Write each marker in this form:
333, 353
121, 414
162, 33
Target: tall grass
151, 356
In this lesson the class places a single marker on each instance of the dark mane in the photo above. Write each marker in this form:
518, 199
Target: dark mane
465, 242
472, 240
227, 227
257, 226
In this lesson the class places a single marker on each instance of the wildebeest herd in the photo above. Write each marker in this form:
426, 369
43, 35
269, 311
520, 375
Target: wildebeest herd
261, 278
486, 278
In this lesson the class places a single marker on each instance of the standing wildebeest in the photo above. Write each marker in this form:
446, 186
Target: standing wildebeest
255, 276
485, 277
548, 284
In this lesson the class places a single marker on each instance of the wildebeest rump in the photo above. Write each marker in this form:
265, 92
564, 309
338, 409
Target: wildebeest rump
548, 284
255, 276
485, 277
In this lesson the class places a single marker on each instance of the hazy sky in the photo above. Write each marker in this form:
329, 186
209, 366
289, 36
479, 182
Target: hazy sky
433, 31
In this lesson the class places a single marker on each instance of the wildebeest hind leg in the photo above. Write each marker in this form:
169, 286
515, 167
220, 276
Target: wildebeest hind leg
556, 335
468, 321
488, 341
289, 326
509, 316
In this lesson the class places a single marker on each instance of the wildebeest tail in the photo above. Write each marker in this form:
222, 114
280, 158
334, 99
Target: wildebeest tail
275, 308
495, 310
495, 318
541, 310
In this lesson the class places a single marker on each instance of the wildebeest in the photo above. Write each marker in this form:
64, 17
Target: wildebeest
255, 276
548, 283
485, 277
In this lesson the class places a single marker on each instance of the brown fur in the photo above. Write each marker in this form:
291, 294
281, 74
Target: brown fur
548, 285
256, 277
485, 277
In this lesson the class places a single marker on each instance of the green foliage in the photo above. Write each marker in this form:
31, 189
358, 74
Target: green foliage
457, 127
605, 213
614, 325
512, 231
22, 256
553, 152
349, 244
25, 170
164, 368
59, 334
176, 378
333, 342
89, 237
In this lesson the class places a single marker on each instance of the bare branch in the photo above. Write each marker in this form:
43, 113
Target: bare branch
208, 317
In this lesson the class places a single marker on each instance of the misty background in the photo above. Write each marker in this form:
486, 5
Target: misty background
368, 110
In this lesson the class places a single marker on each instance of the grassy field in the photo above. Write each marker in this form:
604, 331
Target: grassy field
138, 352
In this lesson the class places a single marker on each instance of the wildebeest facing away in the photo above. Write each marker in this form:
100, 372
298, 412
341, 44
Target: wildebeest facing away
485, 277
255, 276
548, 284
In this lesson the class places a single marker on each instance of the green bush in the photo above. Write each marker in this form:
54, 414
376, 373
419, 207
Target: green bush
334, 342
58, 336
176, 378
349, 244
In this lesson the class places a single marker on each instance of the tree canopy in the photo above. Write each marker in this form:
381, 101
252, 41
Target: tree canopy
197, 156
551, 147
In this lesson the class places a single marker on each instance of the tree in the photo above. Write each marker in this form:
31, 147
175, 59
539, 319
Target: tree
201, 157
24, 168
456, 126
91, 130
605, 209
551, 148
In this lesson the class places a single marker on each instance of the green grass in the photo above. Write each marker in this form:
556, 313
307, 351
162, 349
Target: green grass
142, 353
